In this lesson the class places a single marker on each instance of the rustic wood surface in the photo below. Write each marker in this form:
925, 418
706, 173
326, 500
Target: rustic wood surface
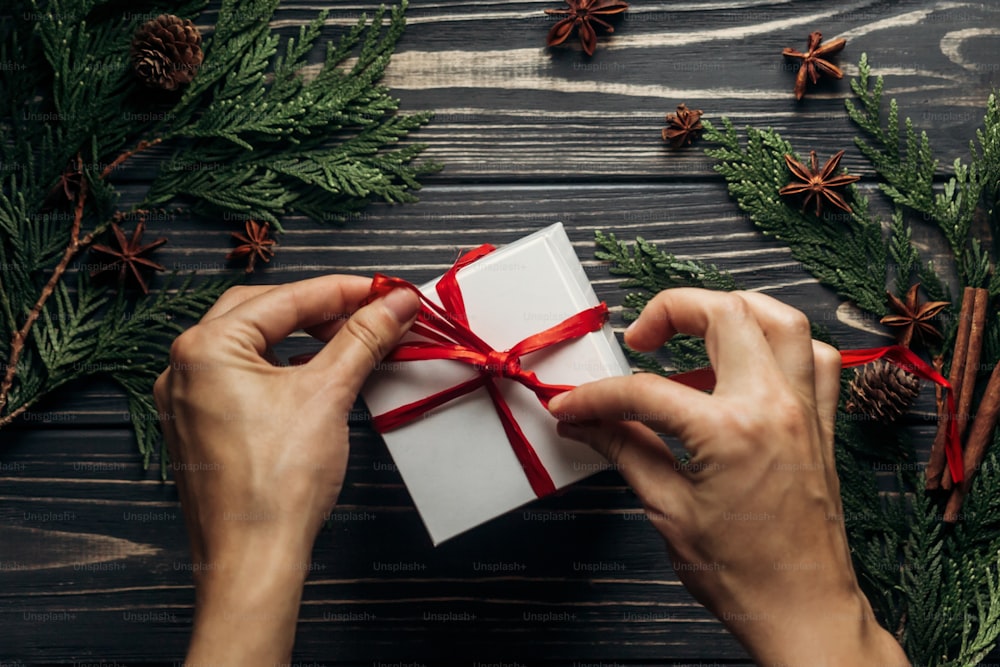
93, 560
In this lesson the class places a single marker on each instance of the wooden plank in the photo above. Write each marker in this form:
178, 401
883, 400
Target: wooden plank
93, 564
88, 541
510, 109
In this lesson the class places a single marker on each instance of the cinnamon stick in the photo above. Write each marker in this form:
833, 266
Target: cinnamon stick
975, 447
963, 397
963, 401
936, 464
939, 475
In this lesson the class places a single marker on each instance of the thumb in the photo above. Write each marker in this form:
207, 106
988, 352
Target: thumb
366, 338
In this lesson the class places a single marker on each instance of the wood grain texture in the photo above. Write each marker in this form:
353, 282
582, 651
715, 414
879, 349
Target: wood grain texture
93, 559
509, 109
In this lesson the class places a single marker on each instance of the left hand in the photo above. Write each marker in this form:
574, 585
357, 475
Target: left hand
259, 451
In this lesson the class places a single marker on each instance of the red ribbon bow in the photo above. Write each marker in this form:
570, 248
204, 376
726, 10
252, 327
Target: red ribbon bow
704, 379
448, 336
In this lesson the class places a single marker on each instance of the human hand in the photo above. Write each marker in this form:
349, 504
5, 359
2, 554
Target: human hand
753, 521
259, 451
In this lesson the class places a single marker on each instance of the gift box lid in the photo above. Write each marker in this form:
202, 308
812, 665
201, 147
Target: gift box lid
456, 461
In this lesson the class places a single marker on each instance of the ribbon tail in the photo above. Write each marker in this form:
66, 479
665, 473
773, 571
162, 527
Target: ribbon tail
702, 379
852, 358
538, 477
403, 415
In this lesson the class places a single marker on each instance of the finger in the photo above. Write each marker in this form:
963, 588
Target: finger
787, 331
161, 394
161, 397
733, 338
366, 338
641, 457
233, 297
827, 382
665, 406
270, 317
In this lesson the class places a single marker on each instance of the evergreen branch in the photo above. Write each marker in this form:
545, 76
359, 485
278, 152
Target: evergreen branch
65, 339
157, 320
16, 346
908, 174
144, 415
654, 270
921, 580
118, 161
263, 145
320, 143
975, 648
848, 253
989, 160
975, 545
73, 247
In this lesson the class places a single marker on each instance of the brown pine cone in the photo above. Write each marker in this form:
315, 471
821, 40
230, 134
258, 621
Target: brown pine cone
882, 391
166, 52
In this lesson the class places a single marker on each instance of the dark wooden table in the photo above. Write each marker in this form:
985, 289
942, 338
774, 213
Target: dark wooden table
93, 556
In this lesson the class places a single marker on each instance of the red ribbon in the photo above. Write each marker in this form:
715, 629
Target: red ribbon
448, 336
704, 379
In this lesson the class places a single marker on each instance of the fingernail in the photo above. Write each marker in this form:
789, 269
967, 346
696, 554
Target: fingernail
556, 402
402, 303
631, 327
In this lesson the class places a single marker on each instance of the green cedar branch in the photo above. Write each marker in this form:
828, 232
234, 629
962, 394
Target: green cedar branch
845, 251
329, 141
278, 135
20, 336
903, 159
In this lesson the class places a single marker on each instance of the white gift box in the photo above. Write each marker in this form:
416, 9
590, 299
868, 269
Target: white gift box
456, 461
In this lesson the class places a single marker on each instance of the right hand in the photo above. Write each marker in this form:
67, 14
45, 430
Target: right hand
753, 521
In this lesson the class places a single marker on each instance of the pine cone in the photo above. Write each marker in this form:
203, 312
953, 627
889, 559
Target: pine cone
166, 52
882, 391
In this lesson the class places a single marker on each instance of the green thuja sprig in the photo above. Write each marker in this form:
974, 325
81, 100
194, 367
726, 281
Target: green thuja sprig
903, 159
259, 132
846, 253
289, 136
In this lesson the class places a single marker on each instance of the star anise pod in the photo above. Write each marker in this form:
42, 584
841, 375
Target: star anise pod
685, 126
580, 16
68, 185
818, 184
913, 318
71, 178
127, 259
256, 243
814, 63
